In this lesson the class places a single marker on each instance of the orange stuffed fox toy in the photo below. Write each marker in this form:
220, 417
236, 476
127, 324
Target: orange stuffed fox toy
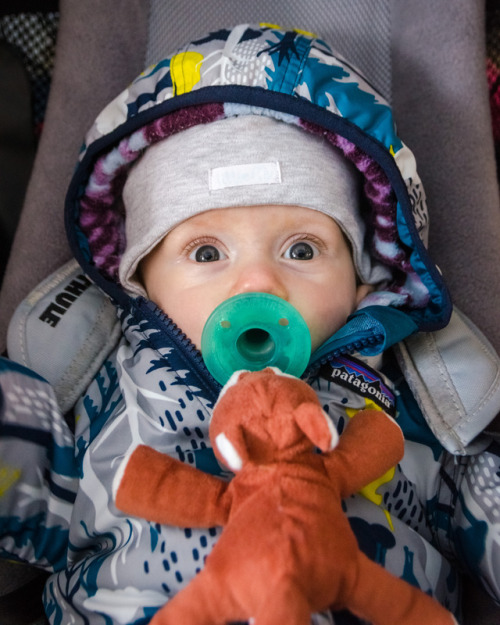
287, 549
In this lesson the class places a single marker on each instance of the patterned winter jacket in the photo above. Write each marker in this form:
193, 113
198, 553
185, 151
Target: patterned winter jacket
433, 517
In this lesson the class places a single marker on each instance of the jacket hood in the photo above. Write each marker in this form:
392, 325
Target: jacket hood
297, 78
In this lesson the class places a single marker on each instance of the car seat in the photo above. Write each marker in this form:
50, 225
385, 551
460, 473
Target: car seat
426, 57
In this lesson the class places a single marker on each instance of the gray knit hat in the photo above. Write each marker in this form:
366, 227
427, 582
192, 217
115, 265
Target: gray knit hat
239, 161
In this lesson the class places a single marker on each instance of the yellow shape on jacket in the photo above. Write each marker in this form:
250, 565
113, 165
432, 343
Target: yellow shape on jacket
8, 477
370, 491
185, 71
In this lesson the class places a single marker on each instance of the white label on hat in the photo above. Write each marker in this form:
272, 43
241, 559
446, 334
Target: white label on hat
244, 175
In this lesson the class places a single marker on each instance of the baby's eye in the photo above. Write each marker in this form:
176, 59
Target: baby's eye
301, 250
205, 254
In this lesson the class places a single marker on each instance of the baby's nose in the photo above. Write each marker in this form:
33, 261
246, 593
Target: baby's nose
259, 278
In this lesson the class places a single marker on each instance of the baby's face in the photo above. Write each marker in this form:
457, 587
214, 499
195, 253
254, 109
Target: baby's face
295, 253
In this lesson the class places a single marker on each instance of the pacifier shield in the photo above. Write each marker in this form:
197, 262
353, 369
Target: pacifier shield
252, 331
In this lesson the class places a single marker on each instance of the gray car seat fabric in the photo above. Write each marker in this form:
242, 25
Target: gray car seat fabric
98, 52
429, 62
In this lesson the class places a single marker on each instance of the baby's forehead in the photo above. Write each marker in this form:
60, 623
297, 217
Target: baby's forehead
293, 216
271, 162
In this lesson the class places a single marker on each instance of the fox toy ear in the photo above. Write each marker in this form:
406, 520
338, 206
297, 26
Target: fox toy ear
316, 425
233, 381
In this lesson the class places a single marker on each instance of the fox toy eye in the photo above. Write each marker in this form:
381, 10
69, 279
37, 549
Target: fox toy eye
302, 250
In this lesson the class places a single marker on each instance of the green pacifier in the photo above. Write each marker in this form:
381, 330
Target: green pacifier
252, 331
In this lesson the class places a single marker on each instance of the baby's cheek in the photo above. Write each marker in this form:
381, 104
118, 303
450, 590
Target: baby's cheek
186, 315
192, 325
325, 323
319, 329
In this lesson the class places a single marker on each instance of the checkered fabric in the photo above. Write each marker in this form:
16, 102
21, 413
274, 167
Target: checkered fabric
33, 35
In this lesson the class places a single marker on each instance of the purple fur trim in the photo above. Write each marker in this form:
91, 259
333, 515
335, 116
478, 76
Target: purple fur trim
376, 186
384, 242
101, 208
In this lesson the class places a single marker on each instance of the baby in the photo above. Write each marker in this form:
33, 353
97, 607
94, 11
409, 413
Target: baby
245, 233
253, 161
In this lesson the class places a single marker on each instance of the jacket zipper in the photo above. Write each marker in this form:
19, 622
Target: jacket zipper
179, 340
347, 349
194, 359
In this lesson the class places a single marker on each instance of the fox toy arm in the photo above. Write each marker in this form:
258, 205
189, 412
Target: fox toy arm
164, 490
371, 444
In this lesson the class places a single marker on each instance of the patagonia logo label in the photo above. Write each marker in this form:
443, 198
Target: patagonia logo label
362, 380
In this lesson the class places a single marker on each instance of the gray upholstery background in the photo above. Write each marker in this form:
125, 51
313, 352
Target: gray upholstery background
432, 63
99, 51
